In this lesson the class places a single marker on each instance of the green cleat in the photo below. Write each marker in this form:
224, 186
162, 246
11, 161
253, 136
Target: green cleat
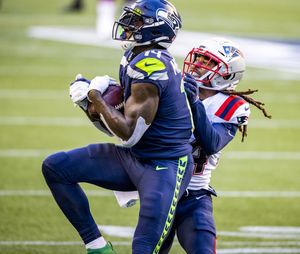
107, 249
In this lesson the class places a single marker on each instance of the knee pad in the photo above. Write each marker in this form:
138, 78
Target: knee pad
52, 165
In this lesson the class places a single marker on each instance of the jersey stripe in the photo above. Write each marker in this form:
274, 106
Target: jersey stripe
224, 105
228, 108
233, 109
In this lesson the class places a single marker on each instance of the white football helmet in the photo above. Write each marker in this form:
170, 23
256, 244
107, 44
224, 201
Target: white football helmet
228, 60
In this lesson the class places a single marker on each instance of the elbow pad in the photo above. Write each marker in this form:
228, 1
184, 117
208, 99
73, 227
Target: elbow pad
140, 129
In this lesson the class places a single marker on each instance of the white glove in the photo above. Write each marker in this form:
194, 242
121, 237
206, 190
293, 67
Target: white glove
79, 89
101, 83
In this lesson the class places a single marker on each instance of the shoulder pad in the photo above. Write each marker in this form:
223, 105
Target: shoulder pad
148, 65
233, 110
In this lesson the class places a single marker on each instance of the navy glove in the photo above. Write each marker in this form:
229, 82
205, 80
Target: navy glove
191, 88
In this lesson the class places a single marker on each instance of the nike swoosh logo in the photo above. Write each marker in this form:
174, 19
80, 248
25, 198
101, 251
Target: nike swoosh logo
160, 168
200, 197
149, 64
246, 109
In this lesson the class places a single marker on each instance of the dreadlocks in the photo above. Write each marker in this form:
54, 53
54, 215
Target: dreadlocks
257, 104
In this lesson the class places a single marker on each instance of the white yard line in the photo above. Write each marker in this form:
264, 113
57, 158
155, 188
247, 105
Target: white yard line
271, 51
260, 244
82, 121
272, 250
104, 193
34, 94
46, 193
232, 155
44, 121
58, 94
261, 155
259, 251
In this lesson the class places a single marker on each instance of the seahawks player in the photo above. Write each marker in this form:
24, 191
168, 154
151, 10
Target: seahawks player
213, 70
155, 158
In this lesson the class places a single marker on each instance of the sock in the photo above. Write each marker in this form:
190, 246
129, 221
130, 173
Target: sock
96, 244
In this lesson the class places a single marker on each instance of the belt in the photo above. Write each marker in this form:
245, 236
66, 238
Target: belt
200, 192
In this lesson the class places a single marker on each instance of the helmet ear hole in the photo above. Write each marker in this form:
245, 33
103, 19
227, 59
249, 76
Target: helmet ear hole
226, 77
229, 77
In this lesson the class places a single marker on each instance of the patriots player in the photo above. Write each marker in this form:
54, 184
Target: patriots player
155, 156
212, 72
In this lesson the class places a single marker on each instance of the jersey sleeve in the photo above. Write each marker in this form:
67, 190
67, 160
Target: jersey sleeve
149, 68
212, 136
233, 110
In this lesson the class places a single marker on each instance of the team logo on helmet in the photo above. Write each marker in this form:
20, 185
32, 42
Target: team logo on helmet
171, 20
232, 52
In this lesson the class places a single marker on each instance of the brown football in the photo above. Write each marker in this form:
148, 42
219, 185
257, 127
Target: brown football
113, 96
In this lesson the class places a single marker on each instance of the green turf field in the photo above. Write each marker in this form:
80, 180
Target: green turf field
37, 117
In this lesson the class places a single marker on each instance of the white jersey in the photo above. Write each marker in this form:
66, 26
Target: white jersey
220, 108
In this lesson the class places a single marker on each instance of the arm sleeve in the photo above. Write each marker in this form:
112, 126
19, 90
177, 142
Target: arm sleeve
211, 136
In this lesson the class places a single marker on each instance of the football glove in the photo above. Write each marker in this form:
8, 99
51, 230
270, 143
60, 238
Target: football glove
78, 91
101, 83
191, 88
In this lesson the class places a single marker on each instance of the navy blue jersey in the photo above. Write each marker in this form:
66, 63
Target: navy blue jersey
169, 134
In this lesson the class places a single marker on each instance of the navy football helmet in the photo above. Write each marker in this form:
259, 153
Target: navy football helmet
147, 22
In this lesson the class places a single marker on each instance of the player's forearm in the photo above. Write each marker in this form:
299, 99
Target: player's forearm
212, 137
116, 121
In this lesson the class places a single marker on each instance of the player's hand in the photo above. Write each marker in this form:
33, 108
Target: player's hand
101, 83
191, 88
78, 91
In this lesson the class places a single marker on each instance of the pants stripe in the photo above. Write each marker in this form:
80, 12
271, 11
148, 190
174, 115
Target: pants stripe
182, 163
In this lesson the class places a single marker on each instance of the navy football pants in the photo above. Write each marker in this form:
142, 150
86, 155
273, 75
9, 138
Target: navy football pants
115, 168
194, 226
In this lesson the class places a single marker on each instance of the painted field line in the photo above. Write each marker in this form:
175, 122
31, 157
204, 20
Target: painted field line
83, 121
258, 251
272, 50
127, 243
46, 193
261, 235
271, 229
263, 155
244, 232
259, 194
232, 155
260, 244
58, 94
105, 193
124, 243
54, 243
45, 121
40, 94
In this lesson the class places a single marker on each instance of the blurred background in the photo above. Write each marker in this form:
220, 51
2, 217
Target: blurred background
43, 45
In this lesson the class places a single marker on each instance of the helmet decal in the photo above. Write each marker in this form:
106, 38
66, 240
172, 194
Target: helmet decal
169, 18
232, 52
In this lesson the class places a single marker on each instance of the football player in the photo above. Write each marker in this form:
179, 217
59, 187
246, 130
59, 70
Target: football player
212, 72
155, 158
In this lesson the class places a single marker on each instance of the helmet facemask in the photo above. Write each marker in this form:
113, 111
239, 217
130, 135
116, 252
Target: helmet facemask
223, 62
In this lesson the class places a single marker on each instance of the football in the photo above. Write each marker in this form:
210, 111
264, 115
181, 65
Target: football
113, 96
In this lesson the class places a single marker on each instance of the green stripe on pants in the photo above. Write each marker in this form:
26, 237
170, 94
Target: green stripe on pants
182, 163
